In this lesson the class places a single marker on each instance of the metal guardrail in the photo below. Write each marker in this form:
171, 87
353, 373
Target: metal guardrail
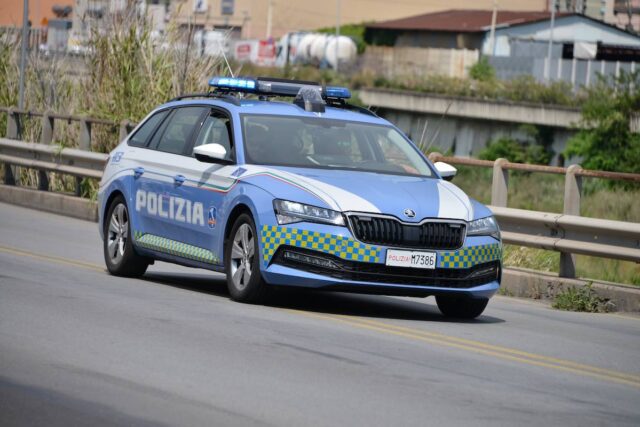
50, 158
568, 233
15, 131
16, 117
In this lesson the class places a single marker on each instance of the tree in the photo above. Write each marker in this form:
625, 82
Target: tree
605, 141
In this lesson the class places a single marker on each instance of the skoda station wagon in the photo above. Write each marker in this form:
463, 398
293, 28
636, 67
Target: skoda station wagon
283, 183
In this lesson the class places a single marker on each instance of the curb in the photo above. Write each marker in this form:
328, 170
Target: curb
546, 286
61, 204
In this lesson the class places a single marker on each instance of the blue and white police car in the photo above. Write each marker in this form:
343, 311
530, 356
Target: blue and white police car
313, 193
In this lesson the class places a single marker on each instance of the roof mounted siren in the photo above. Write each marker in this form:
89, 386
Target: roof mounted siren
309, 98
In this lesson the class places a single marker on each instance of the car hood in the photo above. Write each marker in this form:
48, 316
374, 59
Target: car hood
379, 193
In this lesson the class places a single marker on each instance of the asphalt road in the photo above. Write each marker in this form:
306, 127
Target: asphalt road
80, 347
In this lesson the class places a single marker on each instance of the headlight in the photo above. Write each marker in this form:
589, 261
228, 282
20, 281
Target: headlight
290, 212
484, 227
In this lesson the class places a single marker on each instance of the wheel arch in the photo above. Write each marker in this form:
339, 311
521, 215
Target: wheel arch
105, 210
235, 213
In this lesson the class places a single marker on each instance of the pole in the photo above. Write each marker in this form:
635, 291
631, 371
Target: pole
269, 17
492, 36
337, 32
547, 67
23, 52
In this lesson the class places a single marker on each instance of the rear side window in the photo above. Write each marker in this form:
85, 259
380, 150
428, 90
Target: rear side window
142, 135
178, 132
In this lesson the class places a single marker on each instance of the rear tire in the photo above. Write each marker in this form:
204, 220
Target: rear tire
461, 307
242, 263
119, 254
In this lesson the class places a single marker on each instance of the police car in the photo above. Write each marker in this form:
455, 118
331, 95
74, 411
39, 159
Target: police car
313, 193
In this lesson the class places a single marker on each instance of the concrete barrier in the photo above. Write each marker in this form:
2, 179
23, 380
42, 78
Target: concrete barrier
504, 111
517, 282
61, 204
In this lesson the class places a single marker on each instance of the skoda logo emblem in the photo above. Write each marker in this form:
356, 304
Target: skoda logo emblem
409, 213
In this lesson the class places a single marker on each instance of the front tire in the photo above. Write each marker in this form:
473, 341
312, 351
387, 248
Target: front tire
461, 307
242, 263
119, 255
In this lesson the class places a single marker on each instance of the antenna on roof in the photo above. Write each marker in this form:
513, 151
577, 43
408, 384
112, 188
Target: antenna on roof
224, 55
424, 130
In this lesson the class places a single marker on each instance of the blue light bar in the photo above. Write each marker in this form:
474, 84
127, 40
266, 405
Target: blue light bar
274, 87
234, 84
337, 92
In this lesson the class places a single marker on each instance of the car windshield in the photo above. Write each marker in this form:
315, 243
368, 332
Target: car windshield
323, 143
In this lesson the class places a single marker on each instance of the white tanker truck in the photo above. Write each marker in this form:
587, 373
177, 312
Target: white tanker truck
318, 49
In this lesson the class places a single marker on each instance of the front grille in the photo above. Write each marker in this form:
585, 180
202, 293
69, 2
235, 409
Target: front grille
461, 278
392, 232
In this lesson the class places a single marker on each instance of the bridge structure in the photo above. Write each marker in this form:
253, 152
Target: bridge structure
568, 232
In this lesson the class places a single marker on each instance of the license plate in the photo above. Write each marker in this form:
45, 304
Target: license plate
413, 259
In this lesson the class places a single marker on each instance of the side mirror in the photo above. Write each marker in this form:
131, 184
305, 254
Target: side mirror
446, 171
211, 153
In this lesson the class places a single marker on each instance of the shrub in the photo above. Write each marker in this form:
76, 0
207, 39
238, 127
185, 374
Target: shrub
515, 151
482, 70
580, 299
605, 141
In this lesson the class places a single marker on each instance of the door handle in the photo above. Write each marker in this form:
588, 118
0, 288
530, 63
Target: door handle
138, 171
179, 179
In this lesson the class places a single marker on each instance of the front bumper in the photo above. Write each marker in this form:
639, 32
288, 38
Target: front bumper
311, 257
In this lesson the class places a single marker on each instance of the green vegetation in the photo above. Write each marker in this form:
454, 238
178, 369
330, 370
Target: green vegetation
482, 71
516, 151
8, 81
580, 299
127, 74
521, 89
606, 142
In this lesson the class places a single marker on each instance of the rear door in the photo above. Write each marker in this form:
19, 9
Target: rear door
166, 217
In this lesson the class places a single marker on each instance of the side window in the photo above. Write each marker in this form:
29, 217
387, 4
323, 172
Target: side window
178, 131
216, 129
142, 135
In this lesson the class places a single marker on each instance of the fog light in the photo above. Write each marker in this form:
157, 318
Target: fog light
308, 259
484, 271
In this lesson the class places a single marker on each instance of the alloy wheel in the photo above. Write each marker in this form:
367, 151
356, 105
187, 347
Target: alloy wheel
242, 253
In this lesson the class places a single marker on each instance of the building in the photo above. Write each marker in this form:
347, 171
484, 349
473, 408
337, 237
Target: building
532, 38
449, 29
624, 14
40, 12
517, 33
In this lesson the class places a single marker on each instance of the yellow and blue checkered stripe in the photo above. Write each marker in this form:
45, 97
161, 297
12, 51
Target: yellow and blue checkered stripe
346, 248
173, 247
469, 256
272, 237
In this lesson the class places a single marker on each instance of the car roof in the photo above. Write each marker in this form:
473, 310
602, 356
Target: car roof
270, 107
